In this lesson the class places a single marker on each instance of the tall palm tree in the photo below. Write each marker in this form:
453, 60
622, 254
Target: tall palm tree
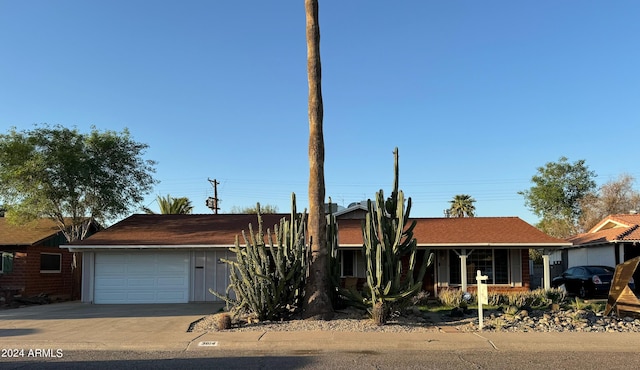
317, 302
172, 206
462, 205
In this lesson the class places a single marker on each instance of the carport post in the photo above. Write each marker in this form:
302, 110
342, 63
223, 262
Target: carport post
547, 272
463, 269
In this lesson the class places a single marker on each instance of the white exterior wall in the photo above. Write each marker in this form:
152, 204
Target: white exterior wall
204, 271
555, 257
592, 256
209, 272
87, 277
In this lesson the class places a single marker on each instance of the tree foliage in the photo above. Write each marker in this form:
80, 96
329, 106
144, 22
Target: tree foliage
462, 205
558, 188
172, 206
614, 197
71, 177
267, 208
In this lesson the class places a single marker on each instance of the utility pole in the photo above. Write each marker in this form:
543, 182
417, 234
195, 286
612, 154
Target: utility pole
212, 203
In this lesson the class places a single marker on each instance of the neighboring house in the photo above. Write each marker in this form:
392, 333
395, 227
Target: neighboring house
32, 261
176, 258
613, 240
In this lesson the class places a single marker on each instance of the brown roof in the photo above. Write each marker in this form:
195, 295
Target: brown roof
179, 229
612, 228
193, 230
461, 231
28, 234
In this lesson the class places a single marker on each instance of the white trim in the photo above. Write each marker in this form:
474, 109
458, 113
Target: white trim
88, 248
511, 245
617, 224
464, 245
82, 248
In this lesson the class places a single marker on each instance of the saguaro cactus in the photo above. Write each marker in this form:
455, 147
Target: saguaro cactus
387, 242
269, 278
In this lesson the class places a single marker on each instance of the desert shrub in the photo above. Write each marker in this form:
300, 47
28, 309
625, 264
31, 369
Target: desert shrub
450, 297
421, 298
517, 299
496, 299
555, 295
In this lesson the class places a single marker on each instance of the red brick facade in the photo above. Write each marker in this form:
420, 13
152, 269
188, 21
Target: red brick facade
27, 277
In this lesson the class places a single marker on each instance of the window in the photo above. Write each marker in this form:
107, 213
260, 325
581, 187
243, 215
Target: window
50, 262
493, 263
347, 263
454, 268
501, 266
352, 263
6, 263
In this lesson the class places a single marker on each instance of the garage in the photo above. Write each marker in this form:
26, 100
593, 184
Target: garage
141, 277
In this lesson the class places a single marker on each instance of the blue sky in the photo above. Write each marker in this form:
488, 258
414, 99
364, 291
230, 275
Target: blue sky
475, 94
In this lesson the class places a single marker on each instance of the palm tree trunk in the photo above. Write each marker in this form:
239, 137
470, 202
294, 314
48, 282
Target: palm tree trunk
317, 302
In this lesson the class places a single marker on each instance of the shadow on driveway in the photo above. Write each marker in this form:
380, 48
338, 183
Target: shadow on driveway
77, 310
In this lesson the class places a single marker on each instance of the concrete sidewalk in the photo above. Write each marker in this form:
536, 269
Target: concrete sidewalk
76, 326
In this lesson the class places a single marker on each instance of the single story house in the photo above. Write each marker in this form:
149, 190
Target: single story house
33, 262
162, 258
176, 258
613, 240
497, 246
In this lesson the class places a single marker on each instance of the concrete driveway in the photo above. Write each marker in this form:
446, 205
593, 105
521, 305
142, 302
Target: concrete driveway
96, 325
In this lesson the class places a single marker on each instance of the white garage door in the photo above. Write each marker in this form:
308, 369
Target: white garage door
142, 277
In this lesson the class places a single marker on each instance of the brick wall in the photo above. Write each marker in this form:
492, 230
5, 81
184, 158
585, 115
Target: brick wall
17, 278
26, 274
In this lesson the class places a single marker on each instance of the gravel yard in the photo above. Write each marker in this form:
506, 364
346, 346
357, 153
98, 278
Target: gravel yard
412, 320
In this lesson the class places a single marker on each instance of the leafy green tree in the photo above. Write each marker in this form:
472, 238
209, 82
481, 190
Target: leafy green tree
72, 177
172, 206
267, 208
462, 205
558, 188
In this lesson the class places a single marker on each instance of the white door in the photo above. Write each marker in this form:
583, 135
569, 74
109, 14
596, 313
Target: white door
141, 277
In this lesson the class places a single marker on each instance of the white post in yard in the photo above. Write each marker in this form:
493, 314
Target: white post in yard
547, 272
483, 296
463, 270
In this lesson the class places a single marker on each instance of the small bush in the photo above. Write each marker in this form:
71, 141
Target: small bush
496, 299
450, 297
420, 299
557, 296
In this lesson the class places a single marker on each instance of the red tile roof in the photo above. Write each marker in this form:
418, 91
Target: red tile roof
220, 230
28, 234
611, 228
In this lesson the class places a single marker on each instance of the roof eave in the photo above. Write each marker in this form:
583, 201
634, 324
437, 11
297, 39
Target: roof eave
91, 248
475, 245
